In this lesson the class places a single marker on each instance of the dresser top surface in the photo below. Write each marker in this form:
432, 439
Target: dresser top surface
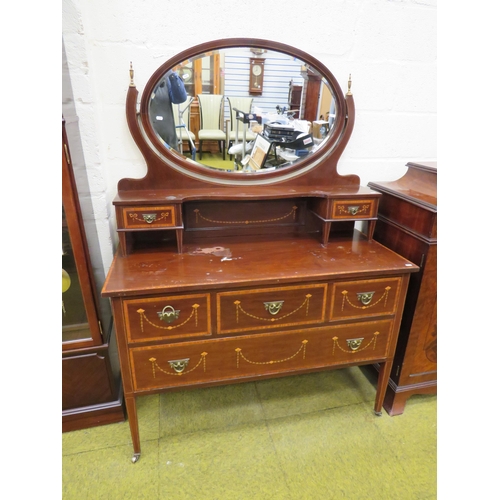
240, 193
209, 264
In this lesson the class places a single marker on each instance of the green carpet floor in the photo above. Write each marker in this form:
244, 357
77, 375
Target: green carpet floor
302, 437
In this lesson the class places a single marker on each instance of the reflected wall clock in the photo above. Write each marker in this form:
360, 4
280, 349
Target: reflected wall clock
256, 76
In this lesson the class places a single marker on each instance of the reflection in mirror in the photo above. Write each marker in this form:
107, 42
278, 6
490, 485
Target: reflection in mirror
259, 96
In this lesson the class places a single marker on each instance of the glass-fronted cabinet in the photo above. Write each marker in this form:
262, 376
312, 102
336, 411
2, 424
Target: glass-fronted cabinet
91, 391
81, 325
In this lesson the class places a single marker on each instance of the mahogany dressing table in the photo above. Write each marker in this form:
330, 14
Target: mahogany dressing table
224, 277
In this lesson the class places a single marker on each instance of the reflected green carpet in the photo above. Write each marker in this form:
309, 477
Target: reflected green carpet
214, 160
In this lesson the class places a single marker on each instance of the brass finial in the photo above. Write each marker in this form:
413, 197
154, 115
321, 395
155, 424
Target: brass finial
349, 85
132, 84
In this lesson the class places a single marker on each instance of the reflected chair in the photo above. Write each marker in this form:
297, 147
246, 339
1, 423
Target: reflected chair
182, 119
211, 109
242, 104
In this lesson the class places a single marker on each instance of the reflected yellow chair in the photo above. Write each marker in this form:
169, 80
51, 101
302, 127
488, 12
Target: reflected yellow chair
211, 110
242, 104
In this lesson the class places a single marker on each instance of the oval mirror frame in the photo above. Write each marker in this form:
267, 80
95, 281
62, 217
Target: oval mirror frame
198, 170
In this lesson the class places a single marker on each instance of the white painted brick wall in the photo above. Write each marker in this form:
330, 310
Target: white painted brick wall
389, 47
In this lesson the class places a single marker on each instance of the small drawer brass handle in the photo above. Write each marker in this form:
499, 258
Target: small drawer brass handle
179, 365
274, 307
168, 314
149, 218
365, 297
353, 210
354, 344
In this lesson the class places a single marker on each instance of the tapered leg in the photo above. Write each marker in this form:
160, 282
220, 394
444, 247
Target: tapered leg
122, 238
326, 232
179, 234
383, 380
134, 426
371, 229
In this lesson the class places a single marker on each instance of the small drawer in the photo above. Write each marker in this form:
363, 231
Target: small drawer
206, 361
148, 217
353, 299
354, 209
240, 311
168, 317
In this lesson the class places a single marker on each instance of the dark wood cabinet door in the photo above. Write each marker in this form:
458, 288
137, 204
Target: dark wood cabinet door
91, 389
408, 225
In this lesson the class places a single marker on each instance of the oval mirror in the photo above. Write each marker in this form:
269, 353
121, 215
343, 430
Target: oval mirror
241, 106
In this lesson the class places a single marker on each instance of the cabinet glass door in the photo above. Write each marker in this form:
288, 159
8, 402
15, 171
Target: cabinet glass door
81, 326
75, 325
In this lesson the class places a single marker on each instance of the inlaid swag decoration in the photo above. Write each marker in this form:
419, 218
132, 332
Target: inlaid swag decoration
365, 299
168, 315
178, 366
354, 209
150, 218
239, 354
273, 308
291, 214
354, 345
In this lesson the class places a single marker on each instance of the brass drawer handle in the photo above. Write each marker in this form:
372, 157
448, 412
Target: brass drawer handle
178, 365
168, 314
149, 218
354, 344
274, 307
365, 297
353, 210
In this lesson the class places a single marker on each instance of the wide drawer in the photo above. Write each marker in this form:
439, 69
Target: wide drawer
353, 299
354, 209
259, 309
167, 317
248, 356
148, 217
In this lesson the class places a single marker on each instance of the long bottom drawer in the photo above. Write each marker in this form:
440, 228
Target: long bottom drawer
190, 363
